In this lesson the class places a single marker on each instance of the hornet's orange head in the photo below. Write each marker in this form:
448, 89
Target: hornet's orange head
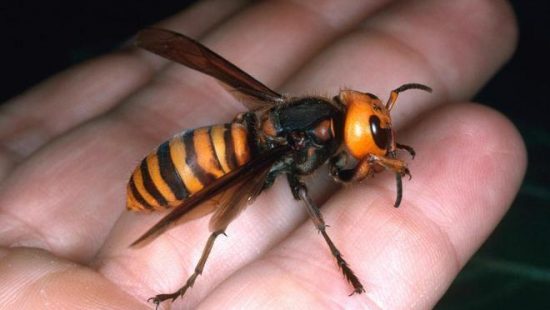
367, 125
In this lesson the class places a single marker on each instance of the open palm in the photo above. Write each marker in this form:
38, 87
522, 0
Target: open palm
75, 139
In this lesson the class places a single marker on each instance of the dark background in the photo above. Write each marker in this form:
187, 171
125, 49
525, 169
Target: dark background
512, 270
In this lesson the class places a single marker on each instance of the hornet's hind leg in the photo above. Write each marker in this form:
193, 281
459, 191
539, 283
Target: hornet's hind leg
198, 271
300, 192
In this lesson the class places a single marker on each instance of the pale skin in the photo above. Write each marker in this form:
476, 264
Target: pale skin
70, 144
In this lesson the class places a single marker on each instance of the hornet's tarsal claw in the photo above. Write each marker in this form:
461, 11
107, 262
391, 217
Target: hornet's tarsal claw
405, 172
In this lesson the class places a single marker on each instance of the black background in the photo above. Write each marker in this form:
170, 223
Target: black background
512, 270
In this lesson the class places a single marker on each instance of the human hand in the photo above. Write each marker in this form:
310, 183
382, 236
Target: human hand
76, 138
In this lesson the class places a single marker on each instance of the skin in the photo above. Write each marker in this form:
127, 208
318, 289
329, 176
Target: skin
70, 144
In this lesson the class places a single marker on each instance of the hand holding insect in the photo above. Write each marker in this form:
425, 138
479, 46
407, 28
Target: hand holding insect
406, 256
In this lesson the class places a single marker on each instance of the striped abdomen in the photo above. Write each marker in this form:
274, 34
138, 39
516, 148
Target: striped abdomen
186, 164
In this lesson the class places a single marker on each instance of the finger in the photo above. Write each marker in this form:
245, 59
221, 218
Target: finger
87, 90
34, 279
454, 47
465, 178
83, 175
284, 219
380, 49
416, 42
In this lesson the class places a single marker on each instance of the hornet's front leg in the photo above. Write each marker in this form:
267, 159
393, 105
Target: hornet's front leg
299, 191
396, 165
367, 167
407, 148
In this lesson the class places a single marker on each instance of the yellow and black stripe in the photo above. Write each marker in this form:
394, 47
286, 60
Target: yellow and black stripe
186, 164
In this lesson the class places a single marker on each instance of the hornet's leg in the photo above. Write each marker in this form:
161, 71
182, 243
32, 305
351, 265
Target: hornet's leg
407, 148
198, 271
398, 178
338, 171
397, 166
300, 191
366, 167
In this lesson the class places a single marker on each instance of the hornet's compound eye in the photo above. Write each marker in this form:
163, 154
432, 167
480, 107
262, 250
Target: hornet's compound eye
381, 136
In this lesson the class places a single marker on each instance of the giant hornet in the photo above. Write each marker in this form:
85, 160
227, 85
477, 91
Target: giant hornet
219, 169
